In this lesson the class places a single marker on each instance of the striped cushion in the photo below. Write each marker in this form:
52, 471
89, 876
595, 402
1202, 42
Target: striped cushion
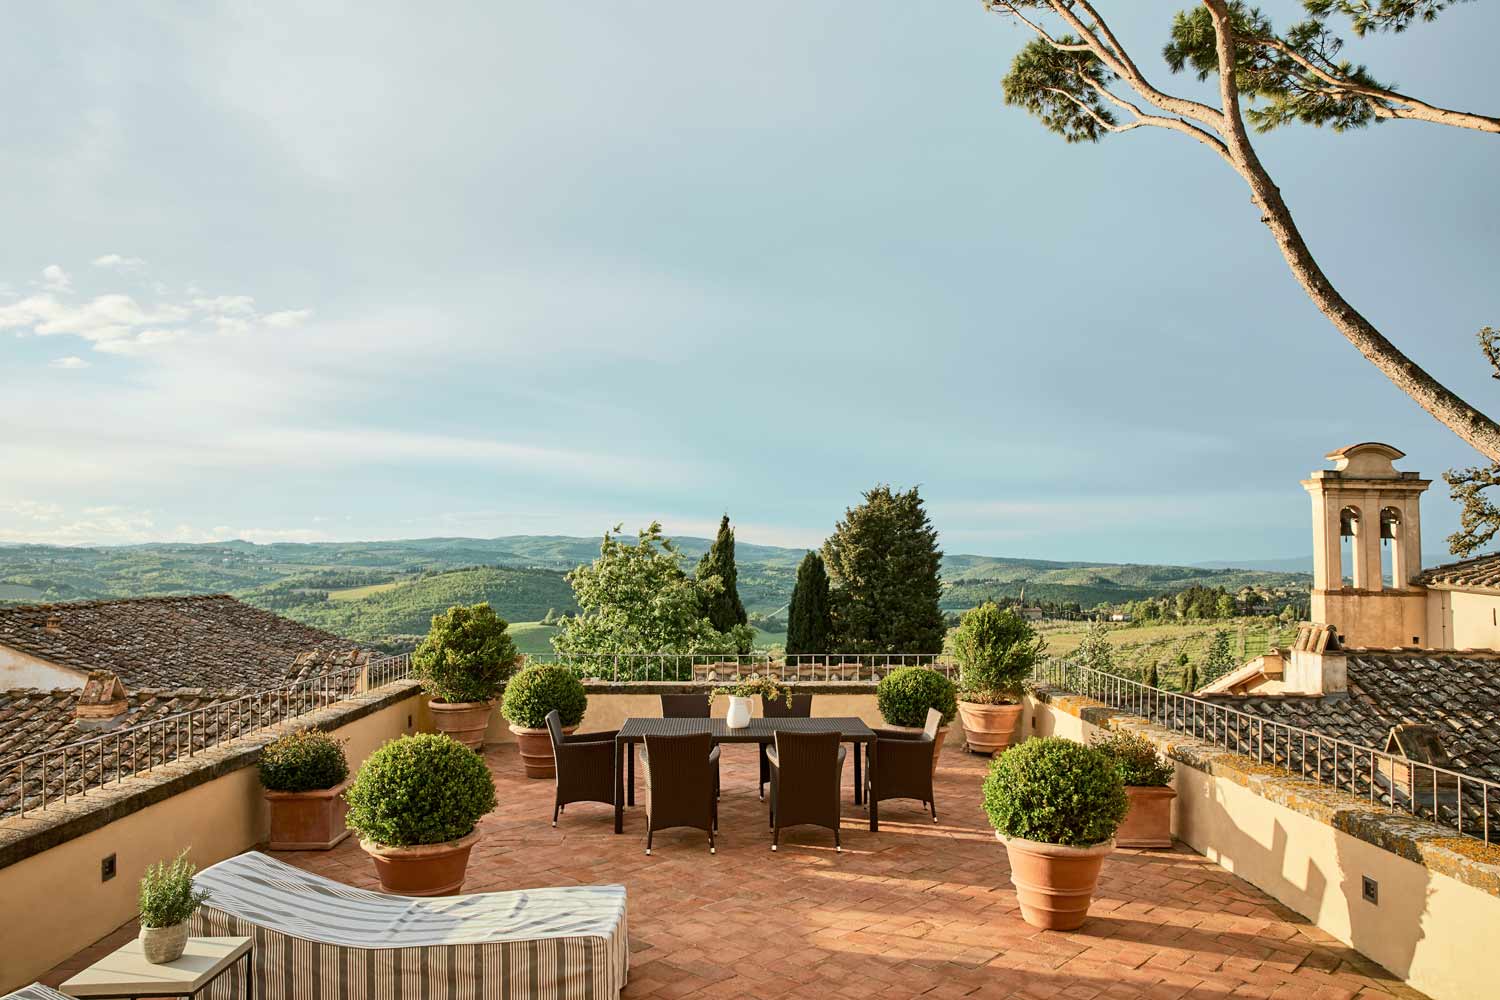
317, 938
36, 991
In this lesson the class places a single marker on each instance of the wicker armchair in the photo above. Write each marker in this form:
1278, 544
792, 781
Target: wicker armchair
585, 766
777, 708
903, 764
681, 784
685, 706
806, 772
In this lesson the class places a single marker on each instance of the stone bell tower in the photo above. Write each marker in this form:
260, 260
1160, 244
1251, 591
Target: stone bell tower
1365, 499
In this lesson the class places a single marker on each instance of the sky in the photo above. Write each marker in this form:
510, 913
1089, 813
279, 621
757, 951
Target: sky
366, 271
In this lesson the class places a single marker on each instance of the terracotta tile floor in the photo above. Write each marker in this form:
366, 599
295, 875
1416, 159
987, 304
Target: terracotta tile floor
915, 910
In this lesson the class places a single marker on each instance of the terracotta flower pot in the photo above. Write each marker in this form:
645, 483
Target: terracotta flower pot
536, 750
988, 728
1148, 823
160, 945
424, 870
1054, 883
465, 721
937, 751
307, 821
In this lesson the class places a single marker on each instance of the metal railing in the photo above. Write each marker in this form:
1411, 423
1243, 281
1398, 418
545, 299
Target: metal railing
1468, 804
57, 775
807, 667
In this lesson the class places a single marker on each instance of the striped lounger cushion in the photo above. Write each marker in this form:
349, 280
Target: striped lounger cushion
36, 991
316, 939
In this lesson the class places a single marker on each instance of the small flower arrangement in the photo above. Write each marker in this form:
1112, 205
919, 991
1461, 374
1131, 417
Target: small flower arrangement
756, 686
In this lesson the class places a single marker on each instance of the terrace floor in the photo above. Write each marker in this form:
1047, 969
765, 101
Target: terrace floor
915, 910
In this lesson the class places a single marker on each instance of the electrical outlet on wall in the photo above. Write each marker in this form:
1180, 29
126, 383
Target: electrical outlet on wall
107, 868
1369, 889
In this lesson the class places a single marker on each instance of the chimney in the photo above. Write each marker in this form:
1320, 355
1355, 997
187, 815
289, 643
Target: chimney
1318, 665
102, 699
54, 623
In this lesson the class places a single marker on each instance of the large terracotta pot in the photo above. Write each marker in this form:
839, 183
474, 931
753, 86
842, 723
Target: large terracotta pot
536, 750
1054, 883
988, 728
425, 870
307, 821
1148, 823
937, 751
465, 721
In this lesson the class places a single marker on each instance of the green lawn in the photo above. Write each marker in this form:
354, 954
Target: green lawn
359, 593
532, 638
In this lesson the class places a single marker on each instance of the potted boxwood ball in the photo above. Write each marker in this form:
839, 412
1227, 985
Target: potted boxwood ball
168, 901
1055, 805
1148, 781
416, 805
463, 664
904, 696
529, 696
996, 650
304, 775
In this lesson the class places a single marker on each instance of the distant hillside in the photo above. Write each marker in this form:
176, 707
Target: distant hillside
387, 591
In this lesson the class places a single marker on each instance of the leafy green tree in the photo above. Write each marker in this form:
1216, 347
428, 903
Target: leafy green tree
883, 560
1077, 77
1189, 678
809, 620
1224, 607
1095, 651
1218, 660
721, 603
636, 599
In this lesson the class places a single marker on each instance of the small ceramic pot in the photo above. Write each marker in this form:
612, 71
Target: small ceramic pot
161, 945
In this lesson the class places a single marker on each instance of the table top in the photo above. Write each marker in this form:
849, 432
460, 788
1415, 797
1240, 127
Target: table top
759, 731
127, 971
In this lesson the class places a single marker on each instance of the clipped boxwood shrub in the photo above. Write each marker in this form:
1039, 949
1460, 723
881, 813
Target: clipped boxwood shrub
467, 654
1135, 757
423, 789
535, 691
1055, 791
905, 695
996, 649
305, 761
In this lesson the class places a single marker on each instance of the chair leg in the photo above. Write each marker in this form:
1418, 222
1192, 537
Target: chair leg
838, 845
649, 832
933, 804
556, 808
775, 837
711, 848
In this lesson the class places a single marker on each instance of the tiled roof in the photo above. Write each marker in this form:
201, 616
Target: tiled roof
1481, 571
1458, 694
168, 643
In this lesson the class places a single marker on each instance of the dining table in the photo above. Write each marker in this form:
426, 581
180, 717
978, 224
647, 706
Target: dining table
851, 730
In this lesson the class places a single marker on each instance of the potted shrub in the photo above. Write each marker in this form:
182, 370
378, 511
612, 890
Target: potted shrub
304, 775
905, 695
416, 805
529, 696
996, 650
1148, 779
168, 901
1055, 805
463, 664
743, 694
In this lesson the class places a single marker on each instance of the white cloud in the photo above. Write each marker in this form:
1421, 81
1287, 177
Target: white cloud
287, 318
71, 361
122, 264
25, 521
55, 279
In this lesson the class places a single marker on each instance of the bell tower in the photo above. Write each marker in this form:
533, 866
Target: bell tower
1366, 504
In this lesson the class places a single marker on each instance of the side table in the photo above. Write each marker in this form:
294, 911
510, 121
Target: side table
126, 975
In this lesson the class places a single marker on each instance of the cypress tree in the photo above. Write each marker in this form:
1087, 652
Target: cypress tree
809, 624
1190, 679
722, 609
883, 560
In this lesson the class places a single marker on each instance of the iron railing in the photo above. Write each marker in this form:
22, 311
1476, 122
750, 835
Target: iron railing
47, 777
808, 667
1468, 804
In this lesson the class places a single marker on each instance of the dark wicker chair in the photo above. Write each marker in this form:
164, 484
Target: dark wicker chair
777, 708
903, 764
681, 780
585, 766
685, 706
806, 772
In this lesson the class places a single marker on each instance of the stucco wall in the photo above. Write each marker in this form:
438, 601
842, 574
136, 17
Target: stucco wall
19, 669
1433, 930
1461, 620
55, 901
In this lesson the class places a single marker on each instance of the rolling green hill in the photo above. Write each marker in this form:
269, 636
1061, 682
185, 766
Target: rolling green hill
386, 592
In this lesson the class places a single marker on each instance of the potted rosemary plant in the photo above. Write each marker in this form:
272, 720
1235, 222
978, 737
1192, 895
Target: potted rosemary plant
168, 901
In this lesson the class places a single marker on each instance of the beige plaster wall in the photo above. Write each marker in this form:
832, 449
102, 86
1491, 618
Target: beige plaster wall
1382, 618
55, 902
19, 669
1432, 930
1461, 620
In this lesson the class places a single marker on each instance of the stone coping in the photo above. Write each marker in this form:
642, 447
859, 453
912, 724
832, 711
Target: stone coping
704, 687
22, 837
1437, 848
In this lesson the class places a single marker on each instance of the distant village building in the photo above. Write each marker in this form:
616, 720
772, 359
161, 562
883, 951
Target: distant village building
1031, 614
1406, 659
